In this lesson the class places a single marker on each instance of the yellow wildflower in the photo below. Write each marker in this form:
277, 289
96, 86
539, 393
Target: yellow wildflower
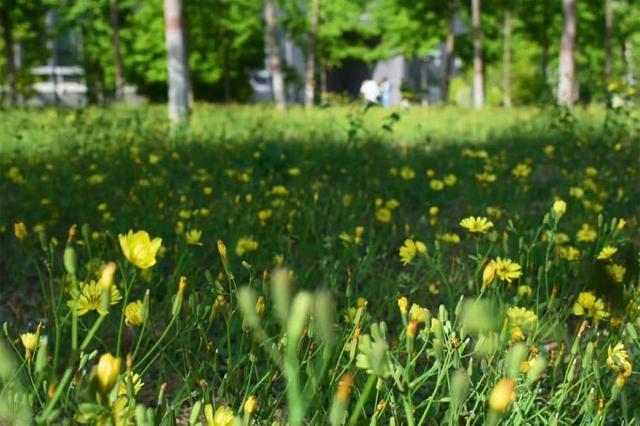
107, 371
606, 252
223, 416
409, 250
139, 248
246, 244
89, 298
507, 270
403, 303
589, 306
30, 342
20, 230
193, 237
133, 314
436, 184
586, 233
407, 173
476, 224
616, 272
418, 314
559, 207
383, 215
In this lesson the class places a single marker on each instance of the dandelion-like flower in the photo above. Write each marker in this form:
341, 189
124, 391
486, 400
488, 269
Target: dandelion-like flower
409, 250
507, 270
139, 249
223, 416
89, 298
193, 237
586, 233
589, 306
133, 314
246, 244
478, 224
616, 272
606, 252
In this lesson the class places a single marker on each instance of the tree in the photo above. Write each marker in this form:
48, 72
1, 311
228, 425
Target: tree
566, 82
608, 39
177, 66
115, 28
506, 58
275, 64
478, 73
311, 54
9, 55
449, 51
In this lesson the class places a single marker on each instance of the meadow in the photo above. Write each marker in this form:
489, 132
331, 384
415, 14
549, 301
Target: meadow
337, 266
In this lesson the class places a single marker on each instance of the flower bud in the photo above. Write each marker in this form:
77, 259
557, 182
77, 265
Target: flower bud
107, 371
502, 395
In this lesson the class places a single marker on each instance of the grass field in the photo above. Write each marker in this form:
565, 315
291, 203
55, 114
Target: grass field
426, 266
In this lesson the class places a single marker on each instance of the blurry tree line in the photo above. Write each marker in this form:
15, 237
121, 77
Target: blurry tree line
513, 51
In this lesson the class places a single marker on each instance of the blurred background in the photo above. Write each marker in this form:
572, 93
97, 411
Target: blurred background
472, 52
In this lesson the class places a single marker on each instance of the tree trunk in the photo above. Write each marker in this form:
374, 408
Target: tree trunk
311, 55
9, 55
178, 69
506, 61
226, 78
608, 39
566, 83
115, 28
449, 53
478, 76
275, 65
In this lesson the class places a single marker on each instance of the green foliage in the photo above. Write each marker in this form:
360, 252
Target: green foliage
349, 289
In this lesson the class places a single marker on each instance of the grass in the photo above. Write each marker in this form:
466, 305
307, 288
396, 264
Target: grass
292, 286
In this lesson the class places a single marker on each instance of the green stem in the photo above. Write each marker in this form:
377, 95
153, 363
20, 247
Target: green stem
371, 381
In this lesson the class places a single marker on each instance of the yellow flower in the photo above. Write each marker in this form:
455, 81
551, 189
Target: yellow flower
507, 270
133, 314
524, 291
476, 224
193, 237
489, 273
607, 252
559, 207
20, 230
409, 250
521, 170
589, 306
521, 317
569, 253
392, 204
139, 249
89, 298
223, 416
450, 180
260, 306
502, 394
436, 184
486, 177
383, 215
576, 192
616, 272
250, 405
621, 224
294, 171
407, 173
618, 360
586, 233
222, 249
418, 314
403, 303
263, 215
107, 371
29, 341
136, 380
246, 244
449, 237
